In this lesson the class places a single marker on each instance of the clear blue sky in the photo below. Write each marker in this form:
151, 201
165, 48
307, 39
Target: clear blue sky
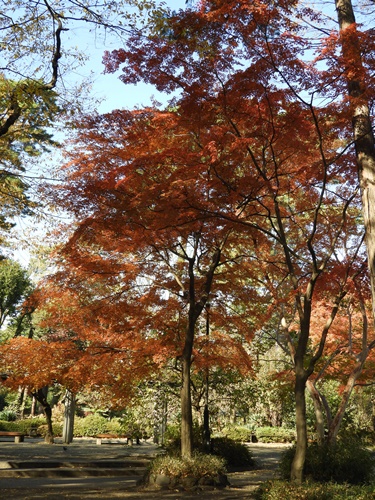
108, 86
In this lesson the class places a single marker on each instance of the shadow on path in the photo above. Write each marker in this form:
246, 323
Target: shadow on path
243, 483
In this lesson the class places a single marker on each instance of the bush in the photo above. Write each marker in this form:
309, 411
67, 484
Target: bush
5, 425
200, 465
277, 490
8, 415
172, 438
56, 429
234, 453
344, 462
275, 435
95, 424
24, 426
237, 433
172, 433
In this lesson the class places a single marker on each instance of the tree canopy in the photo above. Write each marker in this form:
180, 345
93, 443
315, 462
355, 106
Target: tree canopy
246, 198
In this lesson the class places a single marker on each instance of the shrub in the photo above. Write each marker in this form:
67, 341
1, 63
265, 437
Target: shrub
95, 424
237, 433
277, 490
343, 462
24, 426
199, 465
56, 429
8, 415
5, 425
234, 453
29, 424
172, 438
172, 433
275, 435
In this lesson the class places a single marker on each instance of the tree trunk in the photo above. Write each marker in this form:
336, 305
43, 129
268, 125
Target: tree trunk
23, 404
33, 406
298, 463
69, 411
206, 411
195, 310
362, 127
337, 420
318, 408
41, 396
186, 410
21, 401
206, 428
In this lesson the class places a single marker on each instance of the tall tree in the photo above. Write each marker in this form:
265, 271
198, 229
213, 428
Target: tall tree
274, 144
140, 238
15, 287
356, 66
35, 85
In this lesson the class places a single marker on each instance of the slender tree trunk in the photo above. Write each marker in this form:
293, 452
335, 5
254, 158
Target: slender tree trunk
69, 411
365, 154
362, 127
33, 406
21, 401
23, 404
298, 463
318, 409
206, 411
186, 410
41, 396
337, 420
195, 310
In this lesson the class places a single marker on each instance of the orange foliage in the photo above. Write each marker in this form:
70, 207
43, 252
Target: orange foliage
241, 196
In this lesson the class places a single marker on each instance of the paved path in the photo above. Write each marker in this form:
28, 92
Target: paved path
243, 483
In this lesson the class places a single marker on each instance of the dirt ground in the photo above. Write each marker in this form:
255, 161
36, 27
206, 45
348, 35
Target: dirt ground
243, 482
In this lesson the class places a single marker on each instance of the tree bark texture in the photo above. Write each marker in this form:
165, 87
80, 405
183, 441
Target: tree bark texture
68, 425
318, 409
186, 410
195, 309
337, 420
298, 463
41, 396
362, 128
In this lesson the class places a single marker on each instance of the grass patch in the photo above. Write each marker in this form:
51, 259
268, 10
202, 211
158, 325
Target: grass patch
200, 465
277, 490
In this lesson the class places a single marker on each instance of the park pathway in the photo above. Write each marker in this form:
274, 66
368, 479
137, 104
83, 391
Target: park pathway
107, 481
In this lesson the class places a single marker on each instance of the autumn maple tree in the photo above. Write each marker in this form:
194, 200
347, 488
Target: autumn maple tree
245, 183
142, 262
284, 155
349, 346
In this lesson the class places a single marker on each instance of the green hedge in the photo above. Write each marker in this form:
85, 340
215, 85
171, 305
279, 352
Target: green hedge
24, 426
275, 435
262, 434
237, 433
95, 424
343, 462
88, 426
